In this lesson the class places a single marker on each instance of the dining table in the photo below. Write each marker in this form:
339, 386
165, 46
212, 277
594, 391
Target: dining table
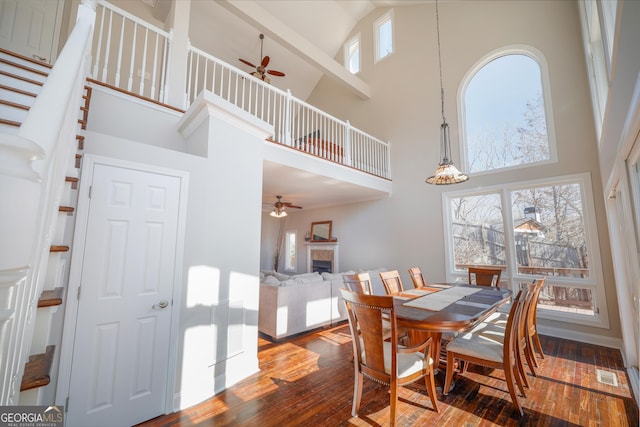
439, 308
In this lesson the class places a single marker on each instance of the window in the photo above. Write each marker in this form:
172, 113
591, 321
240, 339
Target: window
383, 35
505, 116
352, 55
290, 251
598, 52
532, 229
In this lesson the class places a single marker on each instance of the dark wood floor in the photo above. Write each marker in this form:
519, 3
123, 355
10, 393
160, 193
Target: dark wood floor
308, 381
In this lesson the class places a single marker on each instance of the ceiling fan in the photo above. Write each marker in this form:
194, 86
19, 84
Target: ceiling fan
261, 70
279, 207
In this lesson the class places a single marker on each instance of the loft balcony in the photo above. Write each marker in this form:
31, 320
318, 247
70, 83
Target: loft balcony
134, 56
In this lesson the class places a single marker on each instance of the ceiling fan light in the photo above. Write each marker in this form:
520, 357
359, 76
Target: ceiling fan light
276, 213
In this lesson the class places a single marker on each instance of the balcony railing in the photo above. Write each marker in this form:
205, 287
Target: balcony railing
133, 55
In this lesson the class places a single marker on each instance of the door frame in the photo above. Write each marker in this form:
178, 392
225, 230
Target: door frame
77, 260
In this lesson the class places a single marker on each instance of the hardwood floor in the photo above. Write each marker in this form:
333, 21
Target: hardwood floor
308, 381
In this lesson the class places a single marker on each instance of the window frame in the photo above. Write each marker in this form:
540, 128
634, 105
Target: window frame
353, 41
545, 83
377, 24
595, 281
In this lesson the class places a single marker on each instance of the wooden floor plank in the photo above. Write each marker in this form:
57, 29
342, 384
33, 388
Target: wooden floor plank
308, 381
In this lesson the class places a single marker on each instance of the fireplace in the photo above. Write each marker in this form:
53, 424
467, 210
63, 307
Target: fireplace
322, 257
320, 266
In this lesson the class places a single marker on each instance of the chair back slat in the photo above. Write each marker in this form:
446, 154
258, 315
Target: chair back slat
359, 282
391, 281
484, 276
417, 277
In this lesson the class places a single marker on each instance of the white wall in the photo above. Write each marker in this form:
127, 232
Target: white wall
217, 343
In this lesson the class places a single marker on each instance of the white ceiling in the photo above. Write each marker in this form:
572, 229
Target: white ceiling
302, 37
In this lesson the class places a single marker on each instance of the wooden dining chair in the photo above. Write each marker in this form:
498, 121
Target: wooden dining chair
391, 281
417, 277
529, 319
491, 348
484, 276
358, 282
385, 362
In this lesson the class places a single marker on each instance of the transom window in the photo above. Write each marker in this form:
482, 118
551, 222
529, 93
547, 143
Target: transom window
352, 54
383, 36
530, 230
505, 120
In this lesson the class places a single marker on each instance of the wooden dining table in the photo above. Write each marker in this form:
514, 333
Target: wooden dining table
445, 307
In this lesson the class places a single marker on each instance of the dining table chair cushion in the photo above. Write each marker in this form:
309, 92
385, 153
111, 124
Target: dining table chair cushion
408, 363
483, 341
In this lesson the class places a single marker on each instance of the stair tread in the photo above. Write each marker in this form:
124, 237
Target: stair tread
38, 369
25, 58
16, 90
9, 122
51, 297
24, 67
14, 105
24, 79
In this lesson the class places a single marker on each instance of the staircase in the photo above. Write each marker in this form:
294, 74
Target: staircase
20, 82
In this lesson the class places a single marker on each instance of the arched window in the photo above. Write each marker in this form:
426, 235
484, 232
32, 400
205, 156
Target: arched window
505, 115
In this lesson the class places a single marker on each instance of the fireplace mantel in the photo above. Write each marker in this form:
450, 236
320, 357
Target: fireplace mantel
324, 251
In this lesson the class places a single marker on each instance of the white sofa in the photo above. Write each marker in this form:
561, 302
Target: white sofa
291, 305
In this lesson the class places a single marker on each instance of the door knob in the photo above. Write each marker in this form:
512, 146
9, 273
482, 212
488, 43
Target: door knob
162, 304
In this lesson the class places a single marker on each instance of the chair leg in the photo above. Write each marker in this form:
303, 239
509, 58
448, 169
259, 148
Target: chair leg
532, 353
509, 375
521, 374
449, 375
430, 382
357, 393
394, 400
531, 360
536, 340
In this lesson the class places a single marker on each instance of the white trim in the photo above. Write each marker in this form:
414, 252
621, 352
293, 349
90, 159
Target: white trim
573, 335
75, 272
545, 83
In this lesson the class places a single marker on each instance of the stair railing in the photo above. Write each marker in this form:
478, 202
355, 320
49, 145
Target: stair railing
129, 53
33, 165
296, 123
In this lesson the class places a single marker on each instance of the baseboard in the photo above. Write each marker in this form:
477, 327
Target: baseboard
568, 334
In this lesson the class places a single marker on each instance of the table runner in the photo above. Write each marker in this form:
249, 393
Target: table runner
438, 300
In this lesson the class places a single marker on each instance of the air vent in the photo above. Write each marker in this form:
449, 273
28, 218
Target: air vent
606, 377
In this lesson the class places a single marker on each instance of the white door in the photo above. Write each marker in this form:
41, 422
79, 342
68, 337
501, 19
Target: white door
120, 356
29, 27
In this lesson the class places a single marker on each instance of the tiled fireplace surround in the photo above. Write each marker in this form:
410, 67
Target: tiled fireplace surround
325, 256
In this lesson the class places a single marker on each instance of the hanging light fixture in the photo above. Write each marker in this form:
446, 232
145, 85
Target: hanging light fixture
446, 173
278, 213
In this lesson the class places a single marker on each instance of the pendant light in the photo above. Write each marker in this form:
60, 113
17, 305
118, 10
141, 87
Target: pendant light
446, 173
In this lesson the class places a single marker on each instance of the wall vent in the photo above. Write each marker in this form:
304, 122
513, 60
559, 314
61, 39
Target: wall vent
606, 377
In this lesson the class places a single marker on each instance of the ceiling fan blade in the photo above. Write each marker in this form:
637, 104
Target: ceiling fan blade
265, 61
247, 62
289, 205
275, 73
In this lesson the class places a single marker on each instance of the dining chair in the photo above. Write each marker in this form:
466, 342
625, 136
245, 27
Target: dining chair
495, 349
358, 282
384, 362
417, 277
391, 281
530, 331
484, 276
